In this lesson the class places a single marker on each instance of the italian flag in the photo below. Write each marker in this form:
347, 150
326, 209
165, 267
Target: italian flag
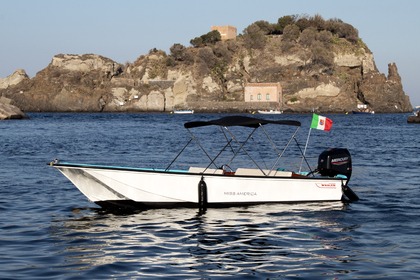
320, 122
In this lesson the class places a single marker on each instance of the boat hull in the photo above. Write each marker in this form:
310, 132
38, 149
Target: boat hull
363, 113
183, 112
146, 188
270, 112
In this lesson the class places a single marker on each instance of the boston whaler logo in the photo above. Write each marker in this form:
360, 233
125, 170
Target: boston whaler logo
340, 161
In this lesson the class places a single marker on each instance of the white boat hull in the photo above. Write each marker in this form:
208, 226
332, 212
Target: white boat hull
183, 112
153, 188
270, 112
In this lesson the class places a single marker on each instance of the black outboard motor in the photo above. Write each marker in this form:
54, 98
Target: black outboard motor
335, 161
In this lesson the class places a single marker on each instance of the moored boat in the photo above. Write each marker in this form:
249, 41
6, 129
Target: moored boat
183, 111
363, 109
363, 112
270, 112
215, 184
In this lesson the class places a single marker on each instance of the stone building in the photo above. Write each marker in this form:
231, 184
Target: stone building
226, 32
263, 92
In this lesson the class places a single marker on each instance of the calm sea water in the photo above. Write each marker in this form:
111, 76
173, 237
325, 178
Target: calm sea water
48, 230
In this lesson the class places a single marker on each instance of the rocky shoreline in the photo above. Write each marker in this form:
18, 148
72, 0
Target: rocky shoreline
414, 118
9, 111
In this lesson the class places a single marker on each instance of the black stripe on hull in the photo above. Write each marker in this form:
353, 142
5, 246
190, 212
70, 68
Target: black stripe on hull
134, 205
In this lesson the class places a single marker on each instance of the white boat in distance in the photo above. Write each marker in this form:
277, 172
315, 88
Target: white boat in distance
270, 112
214, 185
183, 112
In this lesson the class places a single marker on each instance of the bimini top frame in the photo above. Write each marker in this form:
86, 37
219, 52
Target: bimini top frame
244, 121
240, 121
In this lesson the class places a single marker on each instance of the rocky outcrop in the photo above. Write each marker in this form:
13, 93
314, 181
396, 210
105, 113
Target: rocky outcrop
364, 61
384, 94
14, 79
9, 111
212, 78
414, 118
84, 63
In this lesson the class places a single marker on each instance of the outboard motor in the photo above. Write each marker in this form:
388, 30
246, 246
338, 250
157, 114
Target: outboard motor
335, 161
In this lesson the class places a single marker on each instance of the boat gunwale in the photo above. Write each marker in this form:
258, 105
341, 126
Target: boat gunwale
185, 172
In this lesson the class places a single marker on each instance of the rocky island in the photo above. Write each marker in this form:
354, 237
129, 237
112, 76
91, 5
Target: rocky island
321, 65
414, 118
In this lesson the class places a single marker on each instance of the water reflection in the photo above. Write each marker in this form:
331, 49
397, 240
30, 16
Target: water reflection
267, 241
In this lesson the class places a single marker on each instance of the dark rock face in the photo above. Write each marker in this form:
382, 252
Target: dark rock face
212, 79
69, 83
385, 94
414, 119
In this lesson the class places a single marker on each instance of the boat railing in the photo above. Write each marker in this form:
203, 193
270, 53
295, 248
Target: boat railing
204, 170
262, 172
242, 172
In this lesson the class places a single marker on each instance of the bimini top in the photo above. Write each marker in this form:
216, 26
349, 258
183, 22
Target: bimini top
240, 121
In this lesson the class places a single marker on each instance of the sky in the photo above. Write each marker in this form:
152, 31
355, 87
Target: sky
32, 32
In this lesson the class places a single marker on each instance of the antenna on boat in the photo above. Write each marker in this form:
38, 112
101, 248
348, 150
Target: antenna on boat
304, 150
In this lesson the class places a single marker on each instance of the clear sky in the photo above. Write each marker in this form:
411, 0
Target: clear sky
33, 31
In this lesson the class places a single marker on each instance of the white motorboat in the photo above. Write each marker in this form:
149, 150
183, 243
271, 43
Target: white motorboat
183, 111
270, 112
214, 185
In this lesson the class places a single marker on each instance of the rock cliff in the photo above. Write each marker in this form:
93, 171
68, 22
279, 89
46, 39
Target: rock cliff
9, 111
14, 79
335, 76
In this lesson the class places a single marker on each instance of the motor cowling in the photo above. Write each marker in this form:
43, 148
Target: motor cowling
335, 161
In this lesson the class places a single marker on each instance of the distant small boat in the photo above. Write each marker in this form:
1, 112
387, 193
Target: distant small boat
364, 112
183, 111
273, 112
363, 109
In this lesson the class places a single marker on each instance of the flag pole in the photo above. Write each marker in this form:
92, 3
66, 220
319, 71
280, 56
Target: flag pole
304, 151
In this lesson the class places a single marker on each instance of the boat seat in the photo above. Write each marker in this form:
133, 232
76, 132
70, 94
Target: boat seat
258, 172
193, 169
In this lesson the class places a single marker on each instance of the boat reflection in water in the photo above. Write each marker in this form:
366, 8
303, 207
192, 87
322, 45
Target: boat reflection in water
269, 240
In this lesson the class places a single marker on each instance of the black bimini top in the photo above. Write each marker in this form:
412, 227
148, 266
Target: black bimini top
240, 121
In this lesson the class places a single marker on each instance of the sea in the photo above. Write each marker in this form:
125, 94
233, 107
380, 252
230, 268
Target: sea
49, 230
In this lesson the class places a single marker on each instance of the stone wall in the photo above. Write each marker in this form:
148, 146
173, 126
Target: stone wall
263, 92
226, 32
231, 106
